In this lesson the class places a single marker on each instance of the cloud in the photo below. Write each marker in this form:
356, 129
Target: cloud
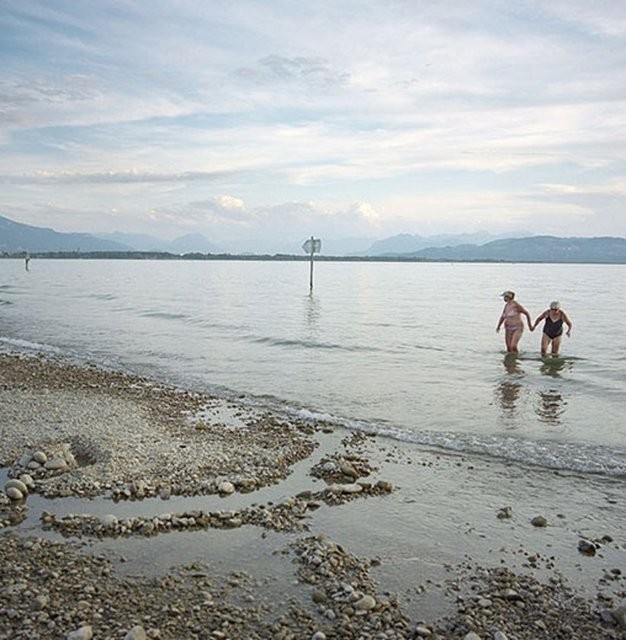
112, 177
299, 70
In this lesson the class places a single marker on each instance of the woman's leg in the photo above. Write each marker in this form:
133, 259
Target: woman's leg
545, 341
515, 338
556, 343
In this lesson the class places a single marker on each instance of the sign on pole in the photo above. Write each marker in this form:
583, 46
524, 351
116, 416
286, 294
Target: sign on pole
311, 246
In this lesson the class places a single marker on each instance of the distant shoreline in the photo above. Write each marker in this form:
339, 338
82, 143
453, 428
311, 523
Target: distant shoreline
279, 257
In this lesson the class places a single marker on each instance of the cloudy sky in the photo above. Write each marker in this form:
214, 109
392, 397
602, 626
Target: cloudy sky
258, 121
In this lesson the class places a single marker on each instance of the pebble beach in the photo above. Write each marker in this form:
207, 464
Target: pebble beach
99, 465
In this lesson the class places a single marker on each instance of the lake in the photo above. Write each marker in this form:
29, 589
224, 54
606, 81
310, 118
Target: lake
407, 350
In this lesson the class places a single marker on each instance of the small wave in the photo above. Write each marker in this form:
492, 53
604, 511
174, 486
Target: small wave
164, 315
5, 302
548, 454
26, 345
309, 344
102, 296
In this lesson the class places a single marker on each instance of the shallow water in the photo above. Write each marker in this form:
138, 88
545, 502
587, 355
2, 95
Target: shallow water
403, 349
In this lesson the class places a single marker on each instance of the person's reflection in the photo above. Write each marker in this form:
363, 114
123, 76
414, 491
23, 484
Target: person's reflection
551, 403
550, 407
509, 389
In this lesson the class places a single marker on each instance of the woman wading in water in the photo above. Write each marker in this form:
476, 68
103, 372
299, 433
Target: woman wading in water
553, 328
513, 323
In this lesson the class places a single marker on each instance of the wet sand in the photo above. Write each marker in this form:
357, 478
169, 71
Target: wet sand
171, 514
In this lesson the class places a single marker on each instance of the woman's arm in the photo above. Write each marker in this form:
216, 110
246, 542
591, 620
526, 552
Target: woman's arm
525, 313
540, 318
568, 322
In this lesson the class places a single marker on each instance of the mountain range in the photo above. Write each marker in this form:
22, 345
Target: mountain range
16, 237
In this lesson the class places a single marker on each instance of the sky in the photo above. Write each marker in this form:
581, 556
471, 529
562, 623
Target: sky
259, 123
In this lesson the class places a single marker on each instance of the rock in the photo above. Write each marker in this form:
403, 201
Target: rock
40, 602
318, 635
619, 615
136, 633
385, 485
56, 464
423, 632
28, 481
17, 484
504, 513
471, 636
84, 633
500, 635
14, 494
348, 470
366, 603
318, 596
226, 487
40, 457
539, 521
109, 521
587, 547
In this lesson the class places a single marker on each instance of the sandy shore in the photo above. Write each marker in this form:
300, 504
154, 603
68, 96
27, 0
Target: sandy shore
132, 510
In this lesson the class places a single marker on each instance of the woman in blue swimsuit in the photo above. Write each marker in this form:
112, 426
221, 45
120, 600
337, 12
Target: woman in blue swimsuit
553, 328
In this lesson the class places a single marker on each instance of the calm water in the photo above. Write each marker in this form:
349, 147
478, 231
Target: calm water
408, 350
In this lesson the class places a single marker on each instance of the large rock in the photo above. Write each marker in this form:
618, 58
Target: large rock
18, 484
84, 633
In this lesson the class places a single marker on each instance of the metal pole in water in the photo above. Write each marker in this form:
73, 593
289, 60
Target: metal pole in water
311, 269
312, 246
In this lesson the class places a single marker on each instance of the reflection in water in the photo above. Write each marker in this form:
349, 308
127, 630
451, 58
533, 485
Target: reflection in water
509, 389
311, 311
551, 406
551, 403
554, 366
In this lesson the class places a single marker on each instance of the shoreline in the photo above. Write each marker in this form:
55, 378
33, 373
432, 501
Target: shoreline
355, 535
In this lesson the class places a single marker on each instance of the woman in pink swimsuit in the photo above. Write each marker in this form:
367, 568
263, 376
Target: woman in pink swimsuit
513, 323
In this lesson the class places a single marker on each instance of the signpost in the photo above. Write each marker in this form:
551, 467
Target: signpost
311, 246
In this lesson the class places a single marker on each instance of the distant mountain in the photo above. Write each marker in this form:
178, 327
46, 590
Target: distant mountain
190, 243
534, 249
15, 237
408, 242
137, 241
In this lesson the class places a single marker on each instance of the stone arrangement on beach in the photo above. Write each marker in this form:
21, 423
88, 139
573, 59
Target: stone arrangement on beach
82, 432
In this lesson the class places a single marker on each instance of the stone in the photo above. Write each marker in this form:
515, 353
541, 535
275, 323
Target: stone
83, 633
56, 464
587, 547
226, 487
348, 470
500, 635
14, 494
366, 603
619, 615
318, 635
109, 521
40, 602
539, 521
351, 488
40, 457
136, 633
28, 481
423, 632
18, 484
471, 636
